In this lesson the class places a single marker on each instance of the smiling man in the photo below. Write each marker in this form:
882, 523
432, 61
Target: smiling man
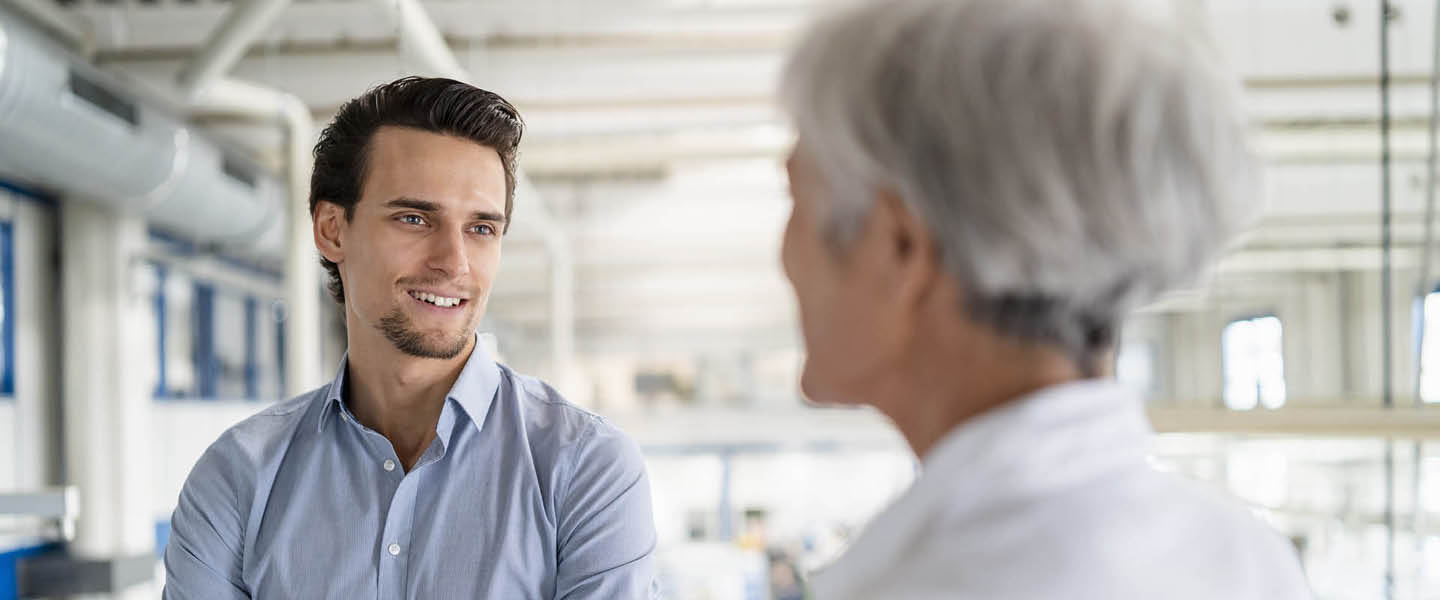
425, 469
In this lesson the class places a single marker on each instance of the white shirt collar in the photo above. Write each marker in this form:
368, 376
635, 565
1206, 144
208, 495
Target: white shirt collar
1032, 446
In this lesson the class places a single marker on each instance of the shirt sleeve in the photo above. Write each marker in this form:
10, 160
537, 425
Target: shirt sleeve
606, 530
204, 555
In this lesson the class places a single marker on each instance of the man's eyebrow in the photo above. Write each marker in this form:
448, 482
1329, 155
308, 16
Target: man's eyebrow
431, 207
485, 215
413, 204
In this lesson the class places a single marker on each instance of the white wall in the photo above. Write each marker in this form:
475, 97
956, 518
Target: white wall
9, 430
1332, 336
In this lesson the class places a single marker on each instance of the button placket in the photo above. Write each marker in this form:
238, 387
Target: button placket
396, 543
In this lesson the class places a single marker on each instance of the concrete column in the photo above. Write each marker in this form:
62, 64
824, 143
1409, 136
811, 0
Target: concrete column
1309, 313
303, 370
37, 345
107, 340
1196, 372
1362, 350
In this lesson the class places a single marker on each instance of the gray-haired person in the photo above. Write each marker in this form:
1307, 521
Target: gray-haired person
982, 190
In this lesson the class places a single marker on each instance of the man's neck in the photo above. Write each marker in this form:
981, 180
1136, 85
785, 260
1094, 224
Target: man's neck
398, 395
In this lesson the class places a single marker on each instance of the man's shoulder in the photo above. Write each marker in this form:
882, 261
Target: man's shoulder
548, 413
564, 434
246, 447
273, 424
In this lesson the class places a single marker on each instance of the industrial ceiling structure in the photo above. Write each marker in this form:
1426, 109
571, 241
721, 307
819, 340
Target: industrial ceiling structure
654, 143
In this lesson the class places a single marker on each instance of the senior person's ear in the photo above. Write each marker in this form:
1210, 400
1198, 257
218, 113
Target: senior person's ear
903, 256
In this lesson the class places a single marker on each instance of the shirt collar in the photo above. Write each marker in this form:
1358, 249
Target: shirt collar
472, 393
1030, 447
1047, 440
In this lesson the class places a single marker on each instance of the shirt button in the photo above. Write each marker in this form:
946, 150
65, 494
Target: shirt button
390, 466
394, 549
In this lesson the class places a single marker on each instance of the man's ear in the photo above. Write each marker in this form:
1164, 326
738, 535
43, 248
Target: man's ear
328, 223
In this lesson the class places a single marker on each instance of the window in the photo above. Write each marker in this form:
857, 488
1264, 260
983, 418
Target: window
230, 343
7, 311
172, 308
213, 342
266, 351
1254, 364
1430, 350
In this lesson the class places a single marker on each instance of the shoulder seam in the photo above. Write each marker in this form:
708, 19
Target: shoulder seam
295, 403
527, 383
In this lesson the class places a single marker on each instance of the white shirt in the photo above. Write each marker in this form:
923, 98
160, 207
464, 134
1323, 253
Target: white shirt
1050, 496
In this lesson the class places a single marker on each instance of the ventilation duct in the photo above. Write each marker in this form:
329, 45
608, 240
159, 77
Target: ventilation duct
67, 126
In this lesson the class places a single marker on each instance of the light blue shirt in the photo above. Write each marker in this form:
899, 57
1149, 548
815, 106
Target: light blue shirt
521, 495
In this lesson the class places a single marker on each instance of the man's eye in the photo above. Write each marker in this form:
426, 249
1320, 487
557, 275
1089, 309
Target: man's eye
483, 229
412, 220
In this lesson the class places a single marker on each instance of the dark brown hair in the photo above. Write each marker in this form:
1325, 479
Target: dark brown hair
429, 104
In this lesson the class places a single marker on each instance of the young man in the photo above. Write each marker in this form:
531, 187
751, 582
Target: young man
982, 190
424, 470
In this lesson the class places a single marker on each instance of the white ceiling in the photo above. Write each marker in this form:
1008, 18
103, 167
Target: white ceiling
654, 140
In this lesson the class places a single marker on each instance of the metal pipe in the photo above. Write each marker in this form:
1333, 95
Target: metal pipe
417, 31
202, 81
64, 26
302, 278
1386, 309
228, 43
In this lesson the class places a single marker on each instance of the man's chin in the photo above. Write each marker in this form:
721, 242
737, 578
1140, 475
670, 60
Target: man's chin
423, 344
432, 347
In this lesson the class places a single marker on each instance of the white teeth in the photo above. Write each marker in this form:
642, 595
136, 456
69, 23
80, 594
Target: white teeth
436, 300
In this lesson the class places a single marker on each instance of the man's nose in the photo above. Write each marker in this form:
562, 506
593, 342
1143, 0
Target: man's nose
447, 254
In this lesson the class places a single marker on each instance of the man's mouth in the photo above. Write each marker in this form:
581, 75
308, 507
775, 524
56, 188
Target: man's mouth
436, 299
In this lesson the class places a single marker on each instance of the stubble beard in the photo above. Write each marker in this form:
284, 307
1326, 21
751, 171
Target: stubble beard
401, 332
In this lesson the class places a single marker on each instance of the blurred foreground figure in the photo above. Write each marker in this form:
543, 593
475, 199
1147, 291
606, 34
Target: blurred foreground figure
982, 190
424, 470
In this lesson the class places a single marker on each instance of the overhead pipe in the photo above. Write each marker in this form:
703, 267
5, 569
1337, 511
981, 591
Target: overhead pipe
417, 31
302, 278
229, 42
203, 83
62, 25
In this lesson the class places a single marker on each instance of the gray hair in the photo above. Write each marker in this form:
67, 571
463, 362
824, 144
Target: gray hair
1073, 158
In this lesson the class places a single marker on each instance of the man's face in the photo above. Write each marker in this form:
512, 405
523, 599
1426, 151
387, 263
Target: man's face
421, 251
837, 297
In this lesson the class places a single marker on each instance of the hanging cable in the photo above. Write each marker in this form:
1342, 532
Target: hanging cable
1386, 303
